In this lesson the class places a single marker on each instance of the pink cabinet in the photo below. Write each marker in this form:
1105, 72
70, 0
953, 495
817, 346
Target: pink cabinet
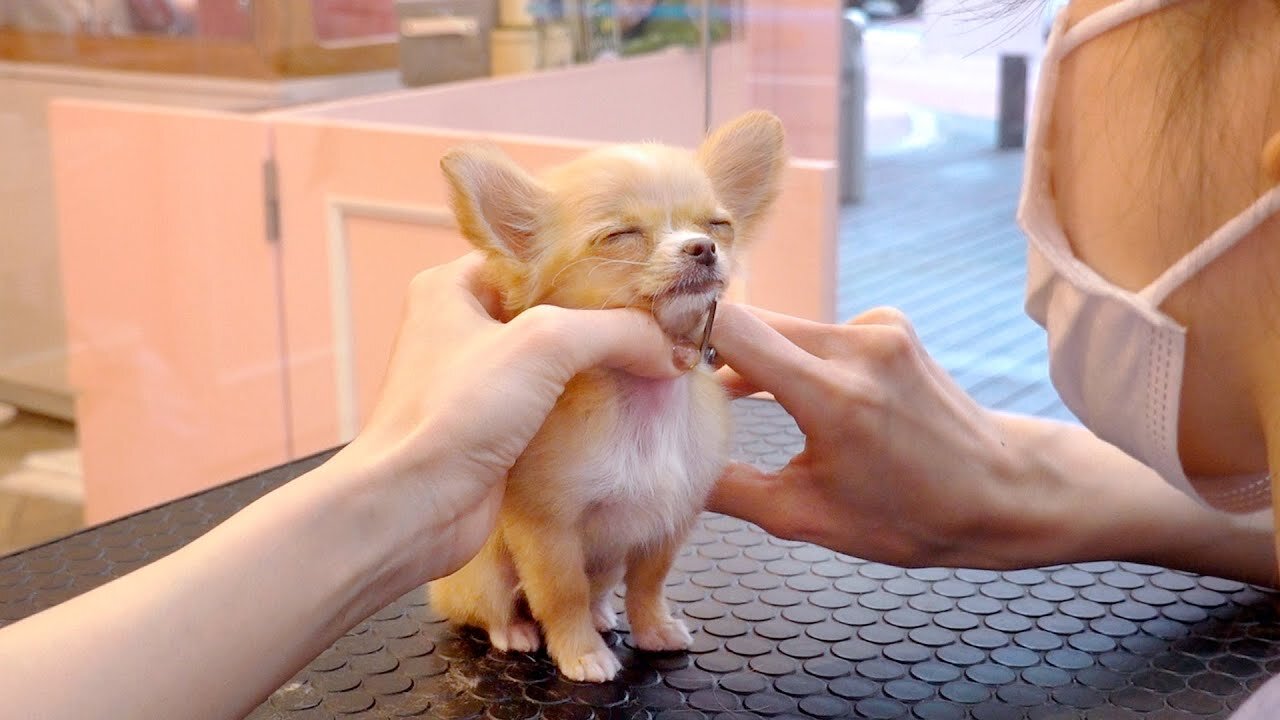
235, 281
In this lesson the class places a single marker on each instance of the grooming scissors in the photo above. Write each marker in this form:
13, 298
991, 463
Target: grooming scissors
705, 351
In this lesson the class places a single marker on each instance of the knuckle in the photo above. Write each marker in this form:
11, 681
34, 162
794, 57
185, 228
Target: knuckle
424, 281
889, 346
884, 315
542, 324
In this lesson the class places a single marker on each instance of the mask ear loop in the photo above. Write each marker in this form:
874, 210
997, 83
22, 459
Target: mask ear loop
1271, 159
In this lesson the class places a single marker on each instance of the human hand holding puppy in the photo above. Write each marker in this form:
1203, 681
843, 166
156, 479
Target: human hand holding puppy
465, 393
410, 499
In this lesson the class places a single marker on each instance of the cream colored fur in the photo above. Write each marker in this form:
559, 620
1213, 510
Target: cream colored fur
611, 484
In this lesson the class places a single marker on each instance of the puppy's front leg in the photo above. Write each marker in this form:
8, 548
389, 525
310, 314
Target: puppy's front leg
652, 626
552, 568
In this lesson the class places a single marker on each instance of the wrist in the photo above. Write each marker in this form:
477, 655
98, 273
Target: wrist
420, 510
342, 515
1009, 516
1088, 501
1066, 497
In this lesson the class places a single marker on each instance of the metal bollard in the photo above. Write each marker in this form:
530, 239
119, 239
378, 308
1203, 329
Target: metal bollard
853, 109
1011, 129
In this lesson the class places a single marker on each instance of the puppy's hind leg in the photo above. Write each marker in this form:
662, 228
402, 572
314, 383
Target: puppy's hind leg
484, 594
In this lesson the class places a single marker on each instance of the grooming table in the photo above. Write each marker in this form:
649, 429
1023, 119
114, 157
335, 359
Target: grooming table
781, 629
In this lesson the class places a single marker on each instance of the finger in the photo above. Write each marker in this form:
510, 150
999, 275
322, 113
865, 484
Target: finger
457, 287
814, 337
733, 383
467, 273
622, 339
767, 360
830, 341
746, 492
889, 317
461, 271
480, 284
883, 315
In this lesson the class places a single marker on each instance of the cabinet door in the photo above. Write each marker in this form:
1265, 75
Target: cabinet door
171, 300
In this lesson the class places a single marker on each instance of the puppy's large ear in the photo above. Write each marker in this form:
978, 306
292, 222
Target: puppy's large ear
497, 203
745, 159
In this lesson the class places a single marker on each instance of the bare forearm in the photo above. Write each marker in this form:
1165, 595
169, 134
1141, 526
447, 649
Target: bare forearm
1090, 501
211, 630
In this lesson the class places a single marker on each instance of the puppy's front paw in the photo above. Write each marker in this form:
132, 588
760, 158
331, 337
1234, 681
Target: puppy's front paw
598, 665
519, 636
665, 635
603, 616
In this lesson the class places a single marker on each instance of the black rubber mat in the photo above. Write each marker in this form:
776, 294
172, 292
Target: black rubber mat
781, 629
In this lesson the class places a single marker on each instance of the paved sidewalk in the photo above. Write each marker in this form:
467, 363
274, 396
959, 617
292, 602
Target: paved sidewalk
936, 233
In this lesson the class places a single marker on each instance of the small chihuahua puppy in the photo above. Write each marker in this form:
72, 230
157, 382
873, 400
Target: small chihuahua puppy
609, 487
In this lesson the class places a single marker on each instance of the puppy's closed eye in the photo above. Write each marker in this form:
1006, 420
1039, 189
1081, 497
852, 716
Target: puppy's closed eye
625, 234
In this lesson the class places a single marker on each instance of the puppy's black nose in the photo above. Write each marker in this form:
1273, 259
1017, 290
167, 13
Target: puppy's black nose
701, 250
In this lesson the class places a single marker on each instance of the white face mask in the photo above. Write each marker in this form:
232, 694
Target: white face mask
1115, 358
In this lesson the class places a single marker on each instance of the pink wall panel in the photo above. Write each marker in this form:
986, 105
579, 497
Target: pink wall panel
806, 108
384, 255
170, 300
794, 69
792, 266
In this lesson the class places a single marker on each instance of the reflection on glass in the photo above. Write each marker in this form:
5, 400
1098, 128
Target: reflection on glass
103, 17
634, 27
346, 19
270, 39
646, 25
329, 20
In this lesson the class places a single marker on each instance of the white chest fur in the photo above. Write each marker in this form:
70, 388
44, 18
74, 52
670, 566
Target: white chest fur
657, 462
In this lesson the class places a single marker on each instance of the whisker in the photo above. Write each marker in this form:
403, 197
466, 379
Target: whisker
600, 262
613, 261
604, 304
556, 277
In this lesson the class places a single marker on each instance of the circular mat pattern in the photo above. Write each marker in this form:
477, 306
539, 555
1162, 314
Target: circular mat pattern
781, 629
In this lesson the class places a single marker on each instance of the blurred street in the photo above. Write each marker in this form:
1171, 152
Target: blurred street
935, 234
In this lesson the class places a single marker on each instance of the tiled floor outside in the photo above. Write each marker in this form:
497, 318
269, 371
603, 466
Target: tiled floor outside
936, 236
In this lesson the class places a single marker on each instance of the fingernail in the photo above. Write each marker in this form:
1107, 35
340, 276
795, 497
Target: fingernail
684, 355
